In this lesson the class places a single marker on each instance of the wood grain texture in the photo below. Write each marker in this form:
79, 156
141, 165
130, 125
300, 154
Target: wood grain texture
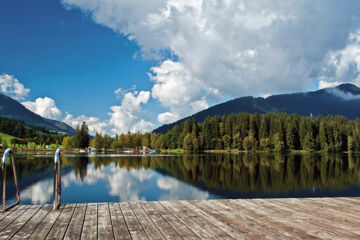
89, 231
62, 222
287, 218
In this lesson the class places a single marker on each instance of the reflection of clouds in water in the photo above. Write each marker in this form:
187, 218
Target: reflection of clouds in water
40, 192
92, 176
177, 190
128, 184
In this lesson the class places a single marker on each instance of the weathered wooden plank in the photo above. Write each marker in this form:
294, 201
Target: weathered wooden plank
45, 226
324, 223
168, 224
32, 224
89, 231
185, 219
118, 222
346, 209
275, 224
312, 218
213, 220
324, 212
242, 225
12, 228
105, 230
4, 214
76, 224
294, 218
62, 222
199, 218
149, 227
135, 228
306, 221
12, 216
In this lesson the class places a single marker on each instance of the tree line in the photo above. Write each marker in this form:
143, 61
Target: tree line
267, 132
27, 135
248, 132
80, 140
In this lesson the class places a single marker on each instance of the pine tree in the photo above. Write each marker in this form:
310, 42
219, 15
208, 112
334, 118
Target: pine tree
290, 136
350, 143
264, 127
188, 141
206, 133
323, 137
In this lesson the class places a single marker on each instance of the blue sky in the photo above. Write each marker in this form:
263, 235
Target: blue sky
64, 59
64, 55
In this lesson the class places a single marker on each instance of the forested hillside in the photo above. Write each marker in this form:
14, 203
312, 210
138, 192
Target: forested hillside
27, 134
248, 132
342, 100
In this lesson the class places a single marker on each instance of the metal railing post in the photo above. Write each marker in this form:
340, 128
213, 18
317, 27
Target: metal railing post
57, 180
9, 152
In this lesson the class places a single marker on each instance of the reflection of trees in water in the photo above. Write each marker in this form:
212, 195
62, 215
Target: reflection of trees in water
242, 172
27, 165
252, 172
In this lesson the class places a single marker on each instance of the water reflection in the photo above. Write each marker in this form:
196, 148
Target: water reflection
127, 178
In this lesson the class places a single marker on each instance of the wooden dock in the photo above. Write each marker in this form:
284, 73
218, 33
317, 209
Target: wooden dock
310, 218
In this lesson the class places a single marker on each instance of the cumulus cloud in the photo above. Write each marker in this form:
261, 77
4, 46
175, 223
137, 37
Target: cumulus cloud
344, 65
11, 86
45, 107
129, 116
176, 89
234, 47
120, 92
94, 124
325, 84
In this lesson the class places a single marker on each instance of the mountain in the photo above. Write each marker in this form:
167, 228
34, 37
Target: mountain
11, 108
341, 100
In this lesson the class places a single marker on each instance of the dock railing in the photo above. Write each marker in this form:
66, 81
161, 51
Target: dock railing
9, 153
57, 180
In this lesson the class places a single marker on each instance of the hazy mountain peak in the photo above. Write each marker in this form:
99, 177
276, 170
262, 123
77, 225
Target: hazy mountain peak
348, 87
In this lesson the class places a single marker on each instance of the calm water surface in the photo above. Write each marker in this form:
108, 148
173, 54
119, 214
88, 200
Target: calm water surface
108, 178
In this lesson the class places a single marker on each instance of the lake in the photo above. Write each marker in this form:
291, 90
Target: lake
110, 178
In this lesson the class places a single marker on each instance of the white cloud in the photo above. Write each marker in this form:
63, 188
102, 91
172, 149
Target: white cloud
231, 48
167, 117
176, 89
120, 92
11, 86
45, 107
94, 124
343, 95
325, 84
344, 65
129, 115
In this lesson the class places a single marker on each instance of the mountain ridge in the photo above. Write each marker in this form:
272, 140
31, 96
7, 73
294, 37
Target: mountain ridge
10, 108
343, 99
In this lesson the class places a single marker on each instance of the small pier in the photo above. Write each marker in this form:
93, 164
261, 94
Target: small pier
286, 218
